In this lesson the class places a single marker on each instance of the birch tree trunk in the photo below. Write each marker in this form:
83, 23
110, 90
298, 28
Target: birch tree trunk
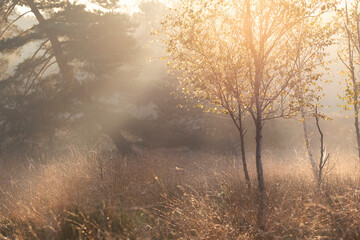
307, 144
243, 154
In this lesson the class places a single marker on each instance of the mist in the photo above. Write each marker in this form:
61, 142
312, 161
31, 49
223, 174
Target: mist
194, 119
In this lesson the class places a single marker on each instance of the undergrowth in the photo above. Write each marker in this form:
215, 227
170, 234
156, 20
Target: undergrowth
175, 195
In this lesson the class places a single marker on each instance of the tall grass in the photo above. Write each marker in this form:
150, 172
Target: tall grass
175, 195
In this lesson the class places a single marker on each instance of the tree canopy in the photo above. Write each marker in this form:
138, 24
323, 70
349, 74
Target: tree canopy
253, 55
72, 65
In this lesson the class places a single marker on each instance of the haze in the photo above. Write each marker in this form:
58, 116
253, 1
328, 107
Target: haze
191, 119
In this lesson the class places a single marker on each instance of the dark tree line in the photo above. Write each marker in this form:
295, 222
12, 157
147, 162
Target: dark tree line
69, 60
70, 75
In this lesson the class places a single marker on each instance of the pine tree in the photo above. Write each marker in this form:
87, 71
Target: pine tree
69, 58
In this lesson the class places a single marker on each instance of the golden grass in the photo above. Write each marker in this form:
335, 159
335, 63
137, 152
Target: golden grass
176, 195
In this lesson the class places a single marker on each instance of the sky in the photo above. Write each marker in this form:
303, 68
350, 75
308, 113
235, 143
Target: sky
129, 6
132, 6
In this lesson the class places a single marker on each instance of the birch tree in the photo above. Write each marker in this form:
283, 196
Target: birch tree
256, 35
311, 44
350, 57
205, 53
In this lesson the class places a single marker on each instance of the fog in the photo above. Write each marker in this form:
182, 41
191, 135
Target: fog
138, 98
165, 119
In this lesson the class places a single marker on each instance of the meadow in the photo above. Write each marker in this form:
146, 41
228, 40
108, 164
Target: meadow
176, 194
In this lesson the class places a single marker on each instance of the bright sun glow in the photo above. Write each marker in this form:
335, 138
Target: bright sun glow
128, 6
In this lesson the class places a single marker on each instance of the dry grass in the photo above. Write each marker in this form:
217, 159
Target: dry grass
175, 195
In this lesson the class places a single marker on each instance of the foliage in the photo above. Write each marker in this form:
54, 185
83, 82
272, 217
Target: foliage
348, 26
210, 45
248, 55
37, 101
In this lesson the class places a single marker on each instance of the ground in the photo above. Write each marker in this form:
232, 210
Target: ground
169, 194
